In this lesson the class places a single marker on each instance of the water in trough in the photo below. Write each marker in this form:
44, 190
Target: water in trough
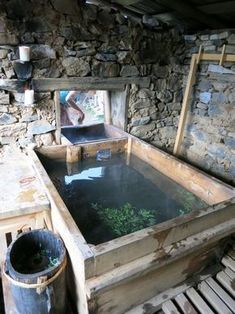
108, 199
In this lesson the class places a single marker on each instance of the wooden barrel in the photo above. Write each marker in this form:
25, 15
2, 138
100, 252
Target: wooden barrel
34, 274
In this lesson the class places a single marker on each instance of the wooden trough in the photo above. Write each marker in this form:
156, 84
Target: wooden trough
115, 276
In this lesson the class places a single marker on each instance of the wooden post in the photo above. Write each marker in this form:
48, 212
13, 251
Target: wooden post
185, 105
57, 115
73, 154
222, 55
107, 108
128, 154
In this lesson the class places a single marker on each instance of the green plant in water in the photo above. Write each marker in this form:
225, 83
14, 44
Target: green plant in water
125, 219
190, 202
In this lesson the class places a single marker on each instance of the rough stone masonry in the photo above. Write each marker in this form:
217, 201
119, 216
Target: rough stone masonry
72, 41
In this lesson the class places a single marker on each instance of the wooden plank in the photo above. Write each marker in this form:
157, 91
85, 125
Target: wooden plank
221, 293
226, 281
218, 7
199, 303
230, 273
185, 105
168, 307
86, 83
156, 260
184, 304
206, 187
228, 262
186, 10
74, 241
13, 85
88, 150
231, 253
156, 301
120, 8
107, 108
57, 117
213, 298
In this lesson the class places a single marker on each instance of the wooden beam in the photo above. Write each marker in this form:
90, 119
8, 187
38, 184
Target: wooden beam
218, 8
87, 83
137, 17
57, 117
185, 105
13, 85
186, 10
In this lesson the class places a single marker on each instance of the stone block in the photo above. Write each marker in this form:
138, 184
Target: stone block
168, 132
3, 53
106, 57
214, 36
76, 66
231, 39
15, 129
230, 143
210, 48
7, 118
231, 97
141, 103
201, 105
223, 35
124, 57
219, 69
3, 108
129, 70
218, 86
190, 37
205, 97
141, 121
204, 85
165, 96
69, 7
39, 127
4, 98
105, 69
229, 49
86, 52
204, 37
160, 71
8, 39
42, 51
143, 131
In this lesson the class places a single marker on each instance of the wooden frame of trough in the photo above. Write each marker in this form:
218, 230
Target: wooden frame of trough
120, 274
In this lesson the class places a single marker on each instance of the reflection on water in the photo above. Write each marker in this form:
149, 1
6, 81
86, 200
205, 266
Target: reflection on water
90, 174
108, 199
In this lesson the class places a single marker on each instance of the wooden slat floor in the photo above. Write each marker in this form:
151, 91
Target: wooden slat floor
215, 294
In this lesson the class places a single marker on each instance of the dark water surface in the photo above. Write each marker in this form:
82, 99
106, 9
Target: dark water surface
108, 199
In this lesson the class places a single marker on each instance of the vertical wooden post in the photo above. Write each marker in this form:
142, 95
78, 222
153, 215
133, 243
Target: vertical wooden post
128, 155
107, 108
185, 104
222, 55
57, 115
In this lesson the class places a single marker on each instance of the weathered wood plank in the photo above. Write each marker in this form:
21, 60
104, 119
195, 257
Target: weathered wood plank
12, 85
199, 303
222, 293
87, 83
213, 298
185, 105
206, 187
58, 118
184, 304
226, 281
228, 262
88, 150
229, 272
168, 307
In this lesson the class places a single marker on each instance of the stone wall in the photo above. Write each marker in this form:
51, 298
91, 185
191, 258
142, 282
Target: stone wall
209, 141
72, 41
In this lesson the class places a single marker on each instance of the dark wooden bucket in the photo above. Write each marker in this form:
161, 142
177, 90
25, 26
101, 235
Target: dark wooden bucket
34, 274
